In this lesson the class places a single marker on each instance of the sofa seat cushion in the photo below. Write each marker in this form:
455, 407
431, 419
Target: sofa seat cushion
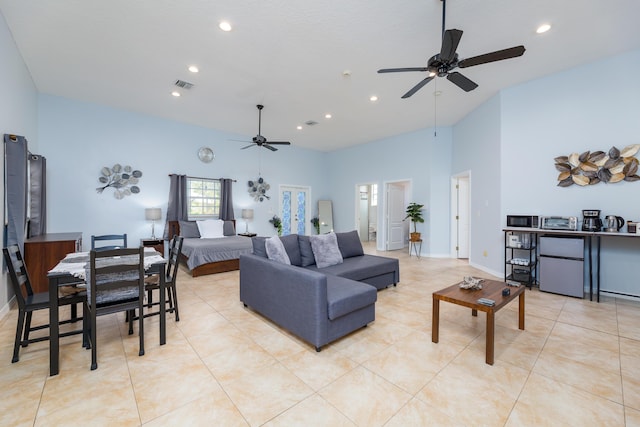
345, 296
360, 267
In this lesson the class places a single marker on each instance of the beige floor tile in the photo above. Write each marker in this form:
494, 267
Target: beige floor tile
418, 413
263, 395
631, 417
365, 397
313, 411
318, 369
631, 391
547, 402
630, 358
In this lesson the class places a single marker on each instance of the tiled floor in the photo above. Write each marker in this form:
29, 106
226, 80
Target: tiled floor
577, 363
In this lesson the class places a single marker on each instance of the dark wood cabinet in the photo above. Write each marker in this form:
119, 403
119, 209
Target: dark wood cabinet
42, 253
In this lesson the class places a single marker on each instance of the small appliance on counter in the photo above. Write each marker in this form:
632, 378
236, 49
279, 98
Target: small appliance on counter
632, 227
591, 220
568, 223
528, 221
613, 223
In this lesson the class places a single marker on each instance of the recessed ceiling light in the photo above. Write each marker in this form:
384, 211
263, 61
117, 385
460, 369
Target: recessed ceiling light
299, 127
327, 116
225, 26
175, 93
193, 69
543, 28
373, 98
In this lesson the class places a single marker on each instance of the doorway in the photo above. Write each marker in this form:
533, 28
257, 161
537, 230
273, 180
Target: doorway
460, 209
367, 212
294, 209
397, 230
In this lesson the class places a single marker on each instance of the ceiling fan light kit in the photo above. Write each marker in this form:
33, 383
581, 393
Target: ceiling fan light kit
442, 64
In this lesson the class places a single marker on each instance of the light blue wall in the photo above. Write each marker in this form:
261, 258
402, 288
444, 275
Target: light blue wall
18, 115
477, 151
418, 157
80, 138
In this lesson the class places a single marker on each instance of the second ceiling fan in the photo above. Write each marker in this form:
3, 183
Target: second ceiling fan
442, 64
260, 140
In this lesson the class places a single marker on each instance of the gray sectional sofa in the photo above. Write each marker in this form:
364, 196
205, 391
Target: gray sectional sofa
317, 304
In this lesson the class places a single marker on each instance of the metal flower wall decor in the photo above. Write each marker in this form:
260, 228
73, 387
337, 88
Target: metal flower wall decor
591, 168
258, 189
123, 180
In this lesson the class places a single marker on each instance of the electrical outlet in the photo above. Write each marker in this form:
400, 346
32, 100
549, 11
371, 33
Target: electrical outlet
485, 253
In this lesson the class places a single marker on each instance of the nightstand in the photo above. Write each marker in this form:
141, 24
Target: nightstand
157, 244
247, 234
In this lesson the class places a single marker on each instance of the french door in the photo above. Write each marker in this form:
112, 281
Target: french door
294, 209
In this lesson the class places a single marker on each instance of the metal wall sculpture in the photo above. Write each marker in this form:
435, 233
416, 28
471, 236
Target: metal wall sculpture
590, 168
123, 180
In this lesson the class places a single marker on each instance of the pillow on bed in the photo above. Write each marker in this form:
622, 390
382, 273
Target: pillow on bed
211, 228
189, 229
349, 244
325, 249
306, 253
258, 246
276, 251
229, 229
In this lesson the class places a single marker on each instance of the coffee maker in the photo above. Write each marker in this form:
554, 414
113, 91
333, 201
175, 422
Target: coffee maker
591, 220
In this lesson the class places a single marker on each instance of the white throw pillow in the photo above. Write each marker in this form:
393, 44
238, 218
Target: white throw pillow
211, 228
325, 249
276, 251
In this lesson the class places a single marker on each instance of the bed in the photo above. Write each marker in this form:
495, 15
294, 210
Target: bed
210, 256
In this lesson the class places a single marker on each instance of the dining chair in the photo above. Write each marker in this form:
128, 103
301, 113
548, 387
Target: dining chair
28, 302
153, 282
115, 281
121, 238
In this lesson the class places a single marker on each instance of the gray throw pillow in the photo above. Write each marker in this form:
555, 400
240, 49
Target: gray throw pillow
306, 253
325, 250
349, 244
189, 229
290, 243
258, 246
229, 229
276, 251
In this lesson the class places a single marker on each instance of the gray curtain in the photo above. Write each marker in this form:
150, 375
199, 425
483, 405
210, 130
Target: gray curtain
226, 202
177, 209
38, 195
15, 166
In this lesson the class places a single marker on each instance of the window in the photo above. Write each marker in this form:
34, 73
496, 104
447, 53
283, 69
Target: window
374, 194
204, 198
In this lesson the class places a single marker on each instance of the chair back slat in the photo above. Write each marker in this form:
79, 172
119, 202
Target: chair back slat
18, 274
119, 239
174, 258
115, 275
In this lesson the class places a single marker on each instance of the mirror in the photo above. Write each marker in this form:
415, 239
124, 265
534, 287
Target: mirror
325, 215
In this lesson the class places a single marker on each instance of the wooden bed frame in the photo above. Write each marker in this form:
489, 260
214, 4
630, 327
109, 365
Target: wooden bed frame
210, 268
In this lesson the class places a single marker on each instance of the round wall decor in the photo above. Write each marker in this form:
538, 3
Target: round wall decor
205, 154
258, 189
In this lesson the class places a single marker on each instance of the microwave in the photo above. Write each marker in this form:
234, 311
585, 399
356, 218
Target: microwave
559, 223
529, 221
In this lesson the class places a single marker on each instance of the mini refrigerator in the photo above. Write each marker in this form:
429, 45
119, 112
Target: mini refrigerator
562, 265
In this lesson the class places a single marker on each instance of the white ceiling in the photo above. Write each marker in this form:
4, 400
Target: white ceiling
290, 56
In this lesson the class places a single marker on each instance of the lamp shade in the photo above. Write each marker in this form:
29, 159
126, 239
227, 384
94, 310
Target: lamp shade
247, 213
152, 214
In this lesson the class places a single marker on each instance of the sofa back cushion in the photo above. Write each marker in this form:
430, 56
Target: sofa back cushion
306, 253
276, 251
325, 250
349, 244
258, 246
290, 243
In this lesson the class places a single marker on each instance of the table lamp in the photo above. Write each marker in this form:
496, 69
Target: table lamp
153, 214
247, 215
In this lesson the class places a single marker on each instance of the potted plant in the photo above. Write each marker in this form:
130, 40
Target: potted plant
414, 212
277, 224
316, 224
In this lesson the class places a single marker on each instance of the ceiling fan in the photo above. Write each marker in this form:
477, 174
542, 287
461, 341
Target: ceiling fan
260, 140
442, 64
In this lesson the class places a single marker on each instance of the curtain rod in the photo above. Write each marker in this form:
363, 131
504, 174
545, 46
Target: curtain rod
198, 177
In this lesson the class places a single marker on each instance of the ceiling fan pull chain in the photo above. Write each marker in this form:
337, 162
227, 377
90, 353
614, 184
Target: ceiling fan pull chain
435, 110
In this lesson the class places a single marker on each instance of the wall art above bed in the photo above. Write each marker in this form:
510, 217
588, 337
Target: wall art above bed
123, 180
590, 168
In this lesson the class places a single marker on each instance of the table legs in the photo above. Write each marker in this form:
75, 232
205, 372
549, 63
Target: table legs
435, 320
54, 332
491, 325
521, 311
163, 313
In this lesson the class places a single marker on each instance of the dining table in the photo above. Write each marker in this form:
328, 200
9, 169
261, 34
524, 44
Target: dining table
72, 271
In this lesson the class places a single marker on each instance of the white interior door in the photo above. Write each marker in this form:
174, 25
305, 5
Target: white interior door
395, 215
294, 209
460, 224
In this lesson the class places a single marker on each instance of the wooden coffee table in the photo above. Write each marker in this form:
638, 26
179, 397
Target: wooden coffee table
491, 289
